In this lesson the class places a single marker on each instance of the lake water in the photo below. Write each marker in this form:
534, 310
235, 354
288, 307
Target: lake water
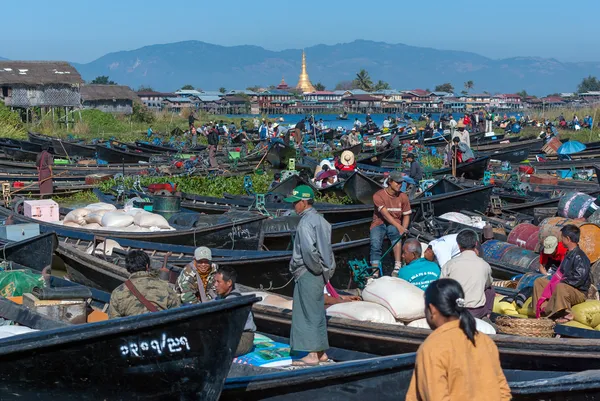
331, 120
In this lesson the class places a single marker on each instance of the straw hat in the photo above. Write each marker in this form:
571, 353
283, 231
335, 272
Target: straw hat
347, 158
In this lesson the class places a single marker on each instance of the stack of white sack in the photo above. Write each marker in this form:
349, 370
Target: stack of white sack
104, 216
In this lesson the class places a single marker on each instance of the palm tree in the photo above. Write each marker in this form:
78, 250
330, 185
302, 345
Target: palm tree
363, 81
469, 85
380, 85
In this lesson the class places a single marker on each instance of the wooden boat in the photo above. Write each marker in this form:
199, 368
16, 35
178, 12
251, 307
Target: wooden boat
361, 188
375, 159
260, 269
181, 353
512, 144
279, 154
472, 170
35, 252
332, 213
286, 186
516, 352
39, 138
529, 208
7, 165
475, 199
442, 186
113, 155
21, 144
356, 149
19, 154
70, 149
359, 376
228, 233
512, 155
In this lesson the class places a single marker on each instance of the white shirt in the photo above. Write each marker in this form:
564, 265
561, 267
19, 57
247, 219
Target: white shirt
463, 136
386, 123
453, 123
445, 248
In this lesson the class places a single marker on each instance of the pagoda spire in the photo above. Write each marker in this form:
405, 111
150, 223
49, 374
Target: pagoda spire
304, 82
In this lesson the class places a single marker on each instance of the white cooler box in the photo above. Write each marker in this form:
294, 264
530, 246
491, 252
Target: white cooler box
44, 210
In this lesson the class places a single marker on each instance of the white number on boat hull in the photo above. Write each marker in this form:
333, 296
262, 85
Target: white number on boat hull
164, 345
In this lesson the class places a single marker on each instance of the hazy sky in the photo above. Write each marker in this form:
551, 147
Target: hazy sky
84, 30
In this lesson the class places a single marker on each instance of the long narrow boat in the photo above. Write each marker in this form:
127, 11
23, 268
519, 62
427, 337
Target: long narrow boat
35, 252
19, 154
508, 144
70, 149
529, 208
387, 378
516, 352
260, 269
512, 155
228, 233
7, 165
181, 353
472, 170
476, 199
361, 188
21, 144
286, 186
375, 159
113, 155
356, 149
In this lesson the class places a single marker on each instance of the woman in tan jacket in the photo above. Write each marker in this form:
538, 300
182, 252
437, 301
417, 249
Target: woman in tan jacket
456, 362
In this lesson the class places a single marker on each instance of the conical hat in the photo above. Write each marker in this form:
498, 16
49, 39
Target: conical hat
347, 158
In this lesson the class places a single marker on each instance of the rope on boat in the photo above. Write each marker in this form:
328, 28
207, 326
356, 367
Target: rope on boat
260, 287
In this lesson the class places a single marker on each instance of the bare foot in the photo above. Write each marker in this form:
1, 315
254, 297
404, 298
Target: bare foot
323, 357
309, 360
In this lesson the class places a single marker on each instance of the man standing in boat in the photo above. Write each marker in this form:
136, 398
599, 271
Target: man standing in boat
312, 265
144, 291
196, 282
391, 218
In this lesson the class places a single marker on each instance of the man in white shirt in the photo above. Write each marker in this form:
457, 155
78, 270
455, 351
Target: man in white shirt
452, 123
386, 123
473, 273
442, 249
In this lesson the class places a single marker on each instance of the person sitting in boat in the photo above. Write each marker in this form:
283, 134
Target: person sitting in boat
464, 154
473, 273
199, 270
554, 298
386, 122
143, 292
456, 362
417, 270
391, 219
462, 133
263, 133
552, 255
416, 171
368, 119
345, 163
276, 180
357, 124
225, 280
326, 177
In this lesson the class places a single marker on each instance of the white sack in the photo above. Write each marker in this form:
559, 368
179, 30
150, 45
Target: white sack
116, 219
110, 245
482, 326
95, 216
150, 220
362, 311
404, 300
101, 206
77, 216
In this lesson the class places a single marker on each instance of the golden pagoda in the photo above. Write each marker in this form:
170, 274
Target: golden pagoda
304, 83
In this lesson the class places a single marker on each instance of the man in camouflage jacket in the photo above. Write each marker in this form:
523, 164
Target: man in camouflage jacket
124, 303
199, 271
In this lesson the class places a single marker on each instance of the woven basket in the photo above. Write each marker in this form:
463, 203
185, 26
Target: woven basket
505, 283
525, 327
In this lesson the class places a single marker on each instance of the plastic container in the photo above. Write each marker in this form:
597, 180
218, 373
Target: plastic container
166, 205
43, 210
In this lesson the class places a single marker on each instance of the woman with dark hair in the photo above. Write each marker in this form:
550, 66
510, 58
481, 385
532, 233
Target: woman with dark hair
455, 362
44, 167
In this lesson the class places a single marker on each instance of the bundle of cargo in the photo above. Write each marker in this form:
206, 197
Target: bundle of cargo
104, 216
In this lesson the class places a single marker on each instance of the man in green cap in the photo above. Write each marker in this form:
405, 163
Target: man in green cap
312, 265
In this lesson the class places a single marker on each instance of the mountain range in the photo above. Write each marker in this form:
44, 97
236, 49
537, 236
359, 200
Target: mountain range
167, 67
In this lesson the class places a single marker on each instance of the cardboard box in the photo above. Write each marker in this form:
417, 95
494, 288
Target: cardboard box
44, 210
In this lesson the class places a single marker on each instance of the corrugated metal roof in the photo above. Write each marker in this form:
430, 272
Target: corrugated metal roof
38, 73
